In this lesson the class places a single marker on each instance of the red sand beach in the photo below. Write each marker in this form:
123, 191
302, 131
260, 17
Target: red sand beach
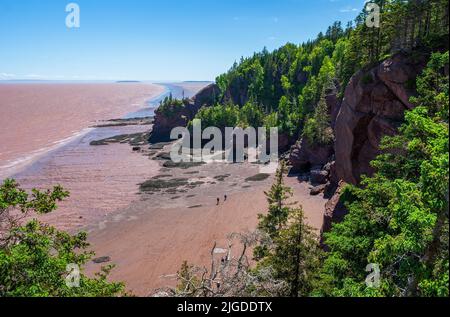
147, 236
149, 240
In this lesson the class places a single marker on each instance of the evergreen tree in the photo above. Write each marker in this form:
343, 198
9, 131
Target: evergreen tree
296, 255
278, 208
399, 218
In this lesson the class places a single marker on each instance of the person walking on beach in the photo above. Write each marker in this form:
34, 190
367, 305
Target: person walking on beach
218, 201
225, 198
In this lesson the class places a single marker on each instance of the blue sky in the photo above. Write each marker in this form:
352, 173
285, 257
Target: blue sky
160, 40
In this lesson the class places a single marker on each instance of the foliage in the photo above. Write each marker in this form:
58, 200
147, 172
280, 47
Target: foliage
170, 106
219, 116
399, 218
287, 84
290, 247
34, 256
278, 210
317, 128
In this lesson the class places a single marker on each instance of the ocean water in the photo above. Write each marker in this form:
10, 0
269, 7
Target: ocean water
101, 179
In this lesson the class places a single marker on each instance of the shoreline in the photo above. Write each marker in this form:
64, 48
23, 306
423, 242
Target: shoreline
150, 238
101, 179
148, 233
11, 167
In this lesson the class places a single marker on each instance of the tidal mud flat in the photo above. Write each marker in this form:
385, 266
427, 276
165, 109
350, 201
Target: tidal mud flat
39, 117
100, 179
177, 218
145, 213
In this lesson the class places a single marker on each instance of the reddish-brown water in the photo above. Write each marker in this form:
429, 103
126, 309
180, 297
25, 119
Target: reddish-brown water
37, 117
45, 135
45, 140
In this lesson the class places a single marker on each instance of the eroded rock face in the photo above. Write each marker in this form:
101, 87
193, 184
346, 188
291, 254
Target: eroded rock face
333, 104
305, 155
373, 107
335, 211
319, 177
207, 97
164, 123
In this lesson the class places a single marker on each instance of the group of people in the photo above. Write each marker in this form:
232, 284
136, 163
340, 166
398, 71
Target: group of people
225, 197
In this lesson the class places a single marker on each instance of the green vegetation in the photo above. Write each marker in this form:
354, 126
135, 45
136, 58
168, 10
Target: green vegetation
283, 88
317, 129
290, 250
170, 106
34, 257
399, 218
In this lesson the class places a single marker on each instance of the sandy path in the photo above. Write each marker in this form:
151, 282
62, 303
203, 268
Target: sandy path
149, 243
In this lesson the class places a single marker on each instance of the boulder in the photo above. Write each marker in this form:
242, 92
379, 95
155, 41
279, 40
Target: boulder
373, 106
319, 176
318, 190
305, 155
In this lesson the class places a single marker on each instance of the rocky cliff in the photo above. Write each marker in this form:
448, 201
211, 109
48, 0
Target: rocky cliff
165, 121
373, 106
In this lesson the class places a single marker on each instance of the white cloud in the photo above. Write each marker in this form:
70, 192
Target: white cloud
33, 76
348, 9
6, 76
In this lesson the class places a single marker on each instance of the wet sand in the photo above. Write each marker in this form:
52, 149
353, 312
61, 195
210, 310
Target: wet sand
149, 240
148, 235
37, 117
100, 179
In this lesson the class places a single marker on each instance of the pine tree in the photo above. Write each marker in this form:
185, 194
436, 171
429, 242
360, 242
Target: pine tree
296, 255
278, 208
290, 250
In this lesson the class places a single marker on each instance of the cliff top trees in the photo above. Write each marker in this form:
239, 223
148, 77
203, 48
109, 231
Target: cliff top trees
399, 219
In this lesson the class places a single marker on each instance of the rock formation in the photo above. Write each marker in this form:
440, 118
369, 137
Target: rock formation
335, 210
165, 122
304, 155
208, 96
373, 107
